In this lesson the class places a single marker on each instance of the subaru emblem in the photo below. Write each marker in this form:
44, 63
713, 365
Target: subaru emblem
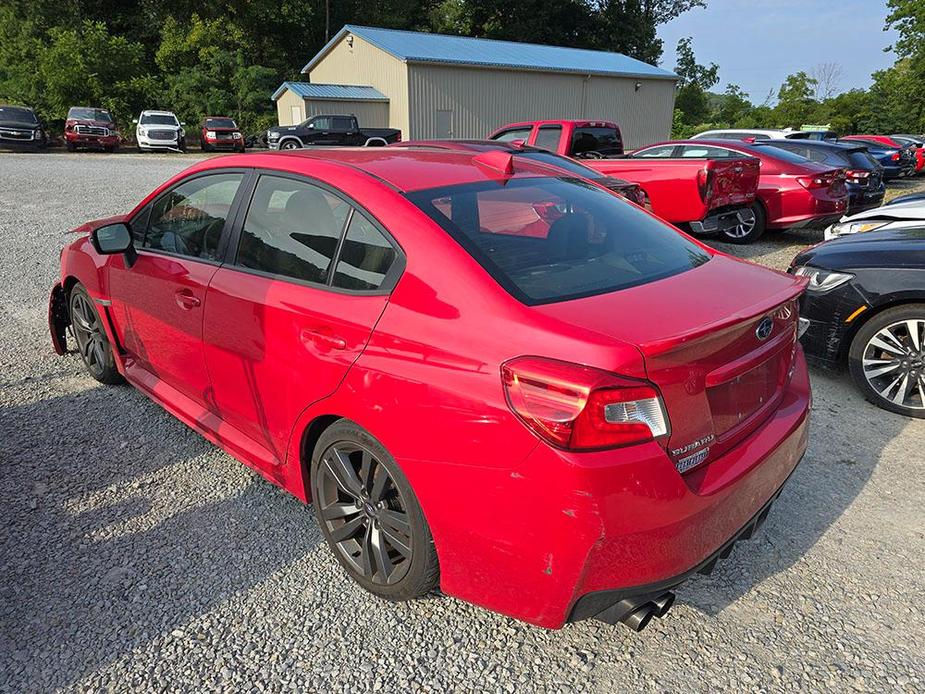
763, 331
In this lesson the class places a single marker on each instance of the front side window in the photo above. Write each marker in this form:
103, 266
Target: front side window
322, 123
548, 136
554, 239
513, 134
292, 229
189, 219
707, 152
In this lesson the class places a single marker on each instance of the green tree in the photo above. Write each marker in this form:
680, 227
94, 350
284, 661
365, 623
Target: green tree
693, 82
732, 105
795, 102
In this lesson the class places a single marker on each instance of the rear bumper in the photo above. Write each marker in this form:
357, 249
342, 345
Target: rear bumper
569, 533
717, 222
803, 209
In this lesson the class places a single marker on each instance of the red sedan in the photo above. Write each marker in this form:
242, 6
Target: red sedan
793, 192
516, 386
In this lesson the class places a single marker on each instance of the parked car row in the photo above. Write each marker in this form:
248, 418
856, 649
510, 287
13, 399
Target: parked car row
95, 128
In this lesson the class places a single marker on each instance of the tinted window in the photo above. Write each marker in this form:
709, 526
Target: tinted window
365, 257
569, 165
343, 123
782, 154
220, 123
602, 140
323, 123
551, 239
863, 160
548, 137
189, 219
17, 115
292, 229
662, 152
159, 120
513, 134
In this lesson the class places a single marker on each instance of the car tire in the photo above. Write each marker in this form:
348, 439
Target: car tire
70, 146
370, 516
745, 232
92, 342
870, 364
290, 144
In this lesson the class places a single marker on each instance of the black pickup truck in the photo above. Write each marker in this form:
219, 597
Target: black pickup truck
343, 131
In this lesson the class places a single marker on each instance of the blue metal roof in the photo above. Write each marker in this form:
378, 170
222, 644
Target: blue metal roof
419, 47
337, 92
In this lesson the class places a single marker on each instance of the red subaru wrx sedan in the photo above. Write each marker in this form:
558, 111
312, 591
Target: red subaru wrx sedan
514, 386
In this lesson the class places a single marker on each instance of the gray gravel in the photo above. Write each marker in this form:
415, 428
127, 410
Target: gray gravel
136, 556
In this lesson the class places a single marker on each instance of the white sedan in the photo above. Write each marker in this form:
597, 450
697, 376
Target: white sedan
900, 215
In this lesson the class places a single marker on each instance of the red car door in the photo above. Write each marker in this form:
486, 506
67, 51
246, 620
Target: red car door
281, 327
159, 300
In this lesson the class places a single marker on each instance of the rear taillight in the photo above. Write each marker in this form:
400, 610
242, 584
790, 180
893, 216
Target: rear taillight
857, 174
705, 183
896, 156
580, 408
820, 180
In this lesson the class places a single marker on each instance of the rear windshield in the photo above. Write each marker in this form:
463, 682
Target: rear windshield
862, 160
90, 114
553, 239
562, 162
19, 115
606, 141
220, 123
782, 154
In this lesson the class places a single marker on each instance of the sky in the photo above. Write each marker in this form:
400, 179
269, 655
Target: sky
757, 43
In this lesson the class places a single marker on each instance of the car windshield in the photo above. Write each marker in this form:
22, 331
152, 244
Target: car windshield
562, 162
553, 239
17, 114
159, 119
220, 123
90, 114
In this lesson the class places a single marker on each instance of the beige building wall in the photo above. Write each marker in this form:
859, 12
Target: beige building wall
364, 64
286, 104
370, 114
473, 102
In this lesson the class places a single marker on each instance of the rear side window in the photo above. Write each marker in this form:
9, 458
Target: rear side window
607, 141
662, 152
189, 219
548, 136
343, 123
553, 239
706, 152
513, 134
292, 229
366, 256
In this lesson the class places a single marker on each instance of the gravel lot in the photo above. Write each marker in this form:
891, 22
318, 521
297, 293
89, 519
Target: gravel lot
136, 556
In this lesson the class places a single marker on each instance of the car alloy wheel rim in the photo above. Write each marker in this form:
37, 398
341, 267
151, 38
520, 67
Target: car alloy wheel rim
743, 229
894, 363
91, 342
364, 513
289, 145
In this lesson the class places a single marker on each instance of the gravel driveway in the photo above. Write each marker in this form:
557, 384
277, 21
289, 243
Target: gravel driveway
134, 555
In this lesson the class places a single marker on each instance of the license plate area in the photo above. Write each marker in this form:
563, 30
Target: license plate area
736, 401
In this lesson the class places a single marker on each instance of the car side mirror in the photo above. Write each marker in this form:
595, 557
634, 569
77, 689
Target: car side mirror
112, 239
310, 125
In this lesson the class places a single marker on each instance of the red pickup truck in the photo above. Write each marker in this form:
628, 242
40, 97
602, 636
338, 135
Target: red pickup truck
707, 195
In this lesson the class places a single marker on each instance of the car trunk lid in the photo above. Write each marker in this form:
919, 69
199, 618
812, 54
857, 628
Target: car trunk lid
718, 341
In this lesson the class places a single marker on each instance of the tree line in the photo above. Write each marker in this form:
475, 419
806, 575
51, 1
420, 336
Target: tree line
895, 102
227, 58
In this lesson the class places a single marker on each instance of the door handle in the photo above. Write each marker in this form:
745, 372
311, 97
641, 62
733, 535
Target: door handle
186, 300
321, 339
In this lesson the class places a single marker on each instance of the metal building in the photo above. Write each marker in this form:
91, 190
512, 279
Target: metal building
438, 86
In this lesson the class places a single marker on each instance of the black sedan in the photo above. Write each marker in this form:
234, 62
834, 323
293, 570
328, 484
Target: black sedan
864, 309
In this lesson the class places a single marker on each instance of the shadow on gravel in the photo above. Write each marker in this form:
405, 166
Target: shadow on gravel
70, 602
847, 438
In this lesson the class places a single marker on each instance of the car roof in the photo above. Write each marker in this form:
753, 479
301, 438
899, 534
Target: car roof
820, 144
158, 113
403, 168
764, 131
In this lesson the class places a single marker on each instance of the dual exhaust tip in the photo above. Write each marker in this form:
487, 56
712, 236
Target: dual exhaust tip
636, 613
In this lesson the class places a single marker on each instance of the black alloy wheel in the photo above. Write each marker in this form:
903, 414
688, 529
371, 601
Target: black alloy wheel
92, 343
370, 516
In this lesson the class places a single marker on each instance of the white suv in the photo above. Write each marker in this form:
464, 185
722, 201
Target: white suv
158, 130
